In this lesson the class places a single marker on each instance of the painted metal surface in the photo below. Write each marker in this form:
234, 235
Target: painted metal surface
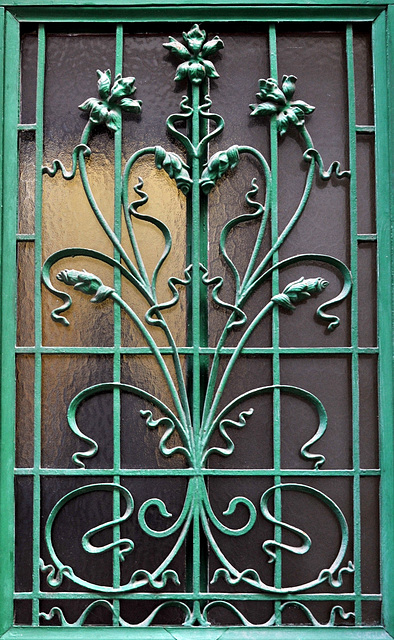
196, 426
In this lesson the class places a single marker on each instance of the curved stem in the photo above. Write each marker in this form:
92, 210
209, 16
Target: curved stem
112, 236
304, 199
223, 337
232, 362
267, 206
155, 351
125, 198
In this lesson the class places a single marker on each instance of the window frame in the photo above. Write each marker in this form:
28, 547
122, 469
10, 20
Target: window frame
12, 14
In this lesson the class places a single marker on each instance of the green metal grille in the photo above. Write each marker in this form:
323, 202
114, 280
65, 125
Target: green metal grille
196, 400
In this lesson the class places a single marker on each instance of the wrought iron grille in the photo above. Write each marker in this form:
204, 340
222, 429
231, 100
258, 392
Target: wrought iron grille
188, 573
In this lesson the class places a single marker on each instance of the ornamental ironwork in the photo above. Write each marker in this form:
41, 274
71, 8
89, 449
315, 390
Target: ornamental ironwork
196, 416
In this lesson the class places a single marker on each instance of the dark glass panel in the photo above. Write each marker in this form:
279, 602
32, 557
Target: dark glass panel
27, 176
149, 552
241, 64
248, 554
308, 513
366, 203
370, 572
29, 78
26, 287
363, 77
372, 613
77, 516
369, 428
69, 57
248, 373
24, 424
367, 283
303, 327
22, 612
62, 378
23, 533
328, 378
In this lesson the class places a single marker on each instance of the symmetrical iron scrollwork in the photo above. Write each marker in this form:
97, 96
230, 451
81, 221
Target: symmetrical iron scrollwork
196, 174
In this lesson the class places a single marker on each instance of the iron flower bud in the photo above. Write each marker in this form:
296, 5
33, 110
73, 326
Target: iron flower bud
86, 282
299, 290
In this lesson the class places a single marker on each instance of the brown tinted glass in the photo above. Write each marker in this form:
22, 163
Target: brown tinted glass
29, 78
27, 175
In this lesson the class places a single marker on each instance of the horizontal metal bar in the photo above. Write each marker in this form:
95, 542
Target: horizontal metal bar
365, 128
26, 127
186, 633
202, 350
76, 595
367, 237
24, 471
25, 237
147, 11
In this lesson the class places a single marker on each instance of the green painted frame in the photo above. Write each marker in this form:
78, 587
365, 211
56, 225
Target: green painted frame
12, 14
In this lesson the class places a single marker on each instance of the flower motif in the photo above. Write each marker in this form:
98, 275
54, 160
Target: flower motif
217, 166
195, 66
112, 101
175, 167
85, 282
298, 291
277, 102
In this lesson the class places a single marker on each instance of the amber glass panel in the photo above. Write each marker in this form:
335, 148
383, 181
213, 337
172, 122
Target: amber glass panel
63, 376
24, 450
25, 306
27, 174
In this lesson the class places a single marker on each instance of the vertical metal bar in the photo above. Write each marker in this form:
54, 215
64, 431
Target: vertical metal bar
275, 323
383, 65
354, 321
117, 330
196, 323
9, 175
38, 327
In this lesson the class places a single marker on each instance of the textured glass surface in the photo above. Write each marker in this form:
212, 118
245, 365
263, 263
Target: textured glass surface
370, 571
369, 412
302, 327
248, 373
367, 278
27, 175
24, 427
363, 77
308, 513
62, 378
25, 304
248, 553
23, 533
69, 528
328, 378
29, 78
366, 203
124, 437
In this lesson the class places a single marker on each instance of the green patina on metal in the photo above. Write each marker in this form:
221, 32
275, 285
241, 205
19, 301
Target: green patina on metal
196, 417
